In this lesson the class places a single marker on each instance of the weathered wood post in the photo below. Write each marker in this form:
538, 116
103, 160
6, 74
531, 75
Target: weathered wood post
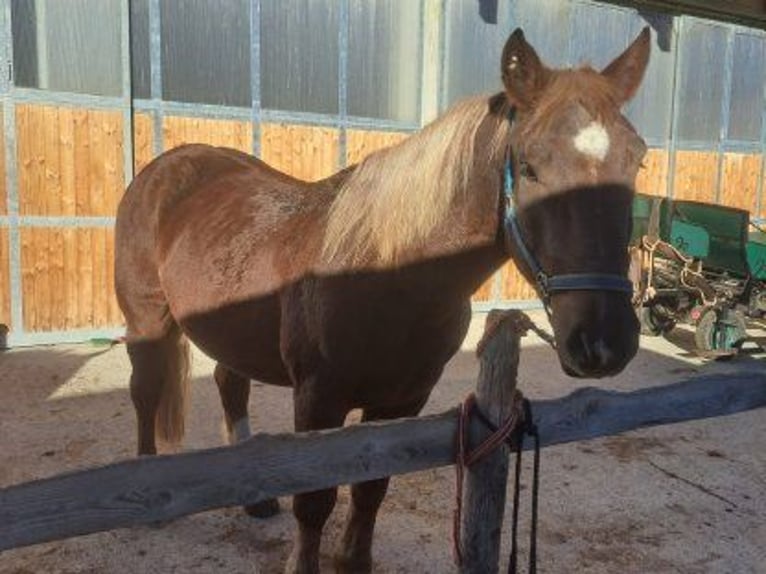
485, 481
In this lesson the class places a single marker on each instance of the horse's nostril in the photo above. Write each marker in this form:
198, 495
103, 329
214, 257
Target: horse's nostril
592, 356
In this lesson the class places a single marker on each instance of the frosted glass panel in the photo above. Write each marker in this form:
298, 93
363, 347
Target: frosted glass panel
206, 51
546, 26
140, 61
384, 59
71, 46
747, 98
598, 49
474, 46
703, 50
650, 111
299, 55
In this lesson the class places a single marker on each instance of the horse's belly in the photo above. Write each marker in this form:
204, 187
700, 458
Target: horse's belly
244, 337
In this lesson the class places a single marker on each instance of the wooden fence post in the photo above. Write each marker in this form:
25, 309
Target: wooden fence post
485, 481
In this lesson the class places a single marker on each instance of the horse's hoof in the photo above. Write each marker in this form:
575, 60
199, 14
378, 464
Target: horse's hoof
265, 509
356, 565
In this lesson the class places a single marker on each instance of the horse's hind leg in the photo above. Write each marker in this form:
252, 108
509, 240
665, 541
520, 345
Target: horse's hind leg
355, 552
158, 387
235, 393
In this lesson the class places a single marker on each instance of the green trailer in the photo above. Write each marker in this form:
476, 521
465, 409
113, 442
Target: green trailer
701, 264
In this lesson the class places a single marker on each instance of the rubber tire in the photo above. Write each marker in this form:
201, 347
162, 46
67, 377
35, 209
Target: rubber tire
709, 323
652, 324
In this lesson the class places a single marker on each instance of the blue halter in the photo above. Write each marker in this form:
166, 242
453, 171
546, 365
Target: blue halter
552, 284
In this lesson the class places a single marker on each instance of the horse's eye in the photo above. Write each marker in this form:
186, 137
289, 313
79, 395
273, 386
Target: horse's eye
527, 172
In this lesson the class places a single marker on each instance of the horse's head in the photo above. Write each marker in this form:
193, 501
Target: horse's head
574, 163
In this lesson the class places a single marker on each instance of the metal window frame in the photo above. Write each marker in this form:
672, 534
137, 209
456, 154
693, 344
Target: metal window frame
158, 108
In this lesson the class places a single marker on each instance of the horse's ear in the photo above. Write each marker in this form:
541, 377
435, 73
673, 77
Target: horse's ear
524, 75
627, 70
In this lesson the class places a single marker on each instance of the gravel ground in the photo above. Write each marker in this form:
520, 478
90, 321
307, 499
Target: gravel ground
685, 498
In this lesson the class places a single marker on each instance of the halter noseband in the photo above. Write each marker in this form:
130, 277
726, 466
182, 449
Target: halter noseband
552, 284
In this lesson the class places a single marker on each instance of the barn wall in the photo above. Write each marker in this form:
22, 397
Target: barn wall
74, 143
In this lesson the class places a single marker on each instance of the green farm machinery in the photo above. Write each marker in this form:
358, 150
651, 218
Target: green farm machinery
699, 264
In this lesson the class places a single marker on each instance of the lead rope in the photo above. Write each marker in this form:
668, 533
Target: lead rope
528, 428
512, 432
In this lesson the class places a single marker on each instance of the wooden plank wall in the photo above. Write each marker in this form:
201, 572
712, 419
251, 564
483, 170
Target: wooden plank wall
179, 130
739, 184
696, 176
70, 164
143, 141
3, 191
306, 152
67, 278
653, 175
5, 280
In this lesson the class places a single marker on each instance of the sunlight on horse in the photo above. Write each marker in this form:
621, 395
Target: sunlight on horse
355, 290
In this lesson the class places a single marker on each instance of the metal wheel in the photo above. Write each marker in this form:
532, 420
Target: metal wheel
654, 322
720, 330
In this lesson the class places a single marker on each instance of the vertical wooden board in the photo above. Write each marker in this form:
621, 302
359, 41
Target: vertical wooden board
57, 294
741, 173
82, 175
696, 175
35, 272
100, 302
71, 279
5, 279
514, 286
361, 143
114, 162
3, 188
114, 316
30, 158
178, 130
143, 141
96, 166
49, 139
653, 175
485, 292
66, 152
306, 152
84, 274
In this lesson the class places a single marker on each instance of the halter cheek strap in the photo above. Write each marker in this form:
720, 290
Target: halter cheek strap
551, 284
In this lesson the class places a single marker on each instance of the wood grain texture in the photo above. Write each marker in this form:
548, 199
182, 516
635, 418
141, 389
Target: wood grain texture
306, 152
143, 141
3, 188
67, 278
485, 481
515, 287
485, 292
361, 143
151, 489
5, 279
739, 184
179, 130
69, 160
653, 175
696, 175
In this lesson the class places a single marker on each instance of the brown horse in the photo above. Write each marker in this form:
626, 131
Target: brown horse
355, 290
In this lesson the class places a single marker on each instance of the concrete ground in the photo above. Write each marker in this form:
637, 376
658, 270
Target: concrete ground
687, 498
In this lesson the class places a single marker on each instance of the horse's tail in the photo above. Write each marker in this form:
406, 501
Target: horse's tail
171, 413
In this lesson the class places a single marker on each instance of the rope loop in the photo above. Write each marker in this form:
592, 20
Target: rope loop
511, 433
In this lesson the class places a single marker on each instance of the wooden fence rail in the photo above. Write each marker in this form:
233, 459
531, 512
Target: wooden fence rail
161, 488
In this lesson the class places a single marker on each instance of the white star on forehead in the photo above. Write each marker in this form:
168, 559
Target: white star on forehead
593, 141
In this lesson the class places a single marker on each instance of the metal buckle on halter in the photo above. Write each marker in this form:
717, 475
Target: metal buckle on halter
542, 282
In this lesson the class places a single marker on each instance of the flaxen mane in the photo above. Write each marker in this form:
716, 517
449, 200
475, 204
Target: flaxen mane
397, 196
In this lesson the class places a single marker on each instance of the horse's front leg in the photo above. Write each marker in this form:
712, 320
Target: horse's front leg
313, 411
355, 552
